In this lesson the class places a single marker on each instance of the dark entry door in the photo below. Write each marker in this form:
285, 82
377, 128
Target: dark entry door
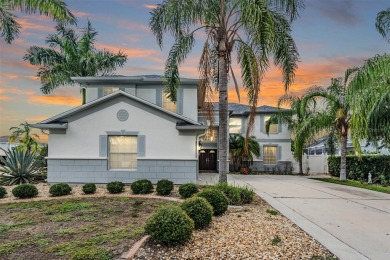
207, 160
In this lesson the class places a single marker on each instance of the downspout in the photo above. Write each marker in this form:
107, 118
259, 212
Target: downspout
197, 154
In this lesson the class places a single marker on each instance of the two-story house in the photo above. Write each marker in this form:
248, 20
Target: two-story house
130, 130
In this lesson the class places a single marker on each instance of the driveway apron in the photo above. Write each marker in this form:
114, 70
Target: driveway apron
352, 223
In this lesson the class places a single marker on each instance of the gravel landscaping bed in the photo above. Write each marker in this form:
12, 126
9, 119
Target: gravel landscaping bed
247, 233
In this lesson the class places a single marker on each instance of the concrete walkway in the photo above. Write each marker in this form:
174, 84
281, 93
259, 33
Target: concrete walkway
352, 223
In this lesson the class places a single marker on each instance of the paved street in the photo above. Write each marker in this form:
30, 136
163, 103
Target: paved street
352, 223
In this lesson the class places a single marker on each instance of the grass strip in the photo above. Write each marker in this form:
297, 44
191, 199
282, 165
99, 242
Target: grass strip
357, 184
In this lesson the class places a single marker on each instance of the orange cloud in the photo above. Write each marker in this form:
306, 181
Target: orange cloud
16, 91
150, 6
55, 100
36, 118
5, 98
134, 53
128, 24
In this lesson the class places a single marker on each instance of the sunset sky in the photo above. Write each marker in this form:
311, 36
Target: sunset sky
331, 36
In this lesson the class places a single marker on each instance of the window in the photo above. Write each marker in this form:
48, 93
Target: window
273, 128
211, 135
235, 125
269, 154
122, 152
109, 90
168, 104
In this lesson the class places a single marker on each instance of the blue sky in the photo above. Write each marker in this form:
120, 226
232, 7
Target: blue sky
331, 36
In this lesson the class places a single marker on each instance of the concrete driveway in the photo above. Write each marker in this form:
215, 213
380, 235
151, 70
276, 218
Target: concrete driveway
352, 223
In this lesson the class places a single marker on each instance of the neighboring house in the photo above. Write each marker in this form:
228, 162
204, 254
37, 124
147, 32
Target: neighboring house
130, 130
275, 148
5, 145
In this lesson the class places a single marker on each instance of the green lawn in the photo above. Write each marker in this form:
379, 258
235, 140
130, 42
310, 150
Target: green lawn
62, 229
356, 184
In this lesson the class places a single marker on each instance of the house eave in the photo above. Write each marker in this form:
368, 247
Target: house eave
191, 127
127, 80
49, 126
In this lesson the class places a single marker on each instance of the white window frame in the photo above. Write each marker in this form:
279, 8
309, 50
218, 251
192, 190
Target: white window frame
127, 153
264, 154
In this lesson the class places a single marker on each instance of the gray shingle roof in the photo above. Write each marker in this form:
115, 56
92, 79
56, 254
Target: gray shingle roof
240, 109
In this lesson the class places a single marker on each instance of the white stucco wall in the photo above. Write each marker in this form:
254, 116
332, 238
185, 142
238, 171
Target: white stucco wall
92, 94
190, 103
163, 140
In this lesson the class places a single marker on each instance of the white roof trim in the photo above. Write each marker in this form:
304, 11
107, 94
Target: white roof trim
111, 96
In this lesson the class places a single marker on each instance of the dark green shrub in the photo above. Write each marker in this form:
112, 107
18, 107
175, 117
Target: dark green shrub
60, 189
89, 188
232, 193
91, 254
216, 198
199, 210
164, 187
358, 169
3, 192
115, 187
142, 187
24, 191
187, 190
247, 195
170, 225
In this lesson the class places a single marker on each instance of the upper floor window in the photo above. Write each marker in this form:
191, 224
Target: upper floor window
168, 104
109, 90
269, 154
122, 153
273, 128
235, 125
211, 135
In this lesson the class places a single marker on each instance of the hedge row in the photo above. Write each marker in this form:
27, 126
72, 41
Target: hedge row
358, 168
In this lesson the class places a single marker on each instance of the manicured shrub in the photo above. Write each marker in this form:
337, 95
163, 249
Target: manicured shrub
3, 192
91, 254
188, 190
115, 187
170, 225
247, 195
216, 198
89, 188
359, 168
142, 187
24, 191
232, 193
199, 210
164, 187
60, 189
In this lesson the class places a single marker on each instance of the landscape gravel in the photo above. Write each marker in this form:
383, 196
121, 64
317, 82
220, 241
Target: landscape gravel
245, 233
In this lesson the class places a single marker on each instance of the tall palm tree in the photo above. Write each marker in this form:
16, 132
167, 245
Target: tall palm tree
257, 29
293, 117
334, 116
240, 153
369, 93
9, 27
27, 140
72, 56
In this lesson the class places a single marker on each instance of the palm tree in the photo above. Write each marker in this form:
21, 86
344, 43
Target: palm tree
293, 118
335, 116
72, 56
9, 27
240, 153
369, 93
257, 29
27, 140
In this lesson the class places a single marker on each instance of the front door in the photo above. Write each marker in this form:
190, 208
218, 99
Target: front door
207, 160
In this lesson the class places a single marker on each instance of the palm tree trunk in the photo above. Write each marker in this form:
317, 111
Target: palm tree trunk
223, 132
343, 157
300, 159
84, 95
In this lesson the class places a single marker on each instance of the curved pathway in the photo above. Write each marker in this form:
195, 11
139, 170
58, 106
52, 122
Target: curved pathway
352, 223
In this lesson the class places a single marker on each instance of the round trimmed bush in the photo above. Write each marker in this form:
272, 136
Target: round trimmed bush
217, 199
91, 254
164, 187
60, 189
3, 192
170, 225
199, 210
24, 191
89, 188
188, 190
115, 187
142, 187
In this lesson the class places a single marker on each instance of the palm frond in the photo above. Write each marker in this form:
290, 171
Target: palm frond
43, 56
9, 27
382, 23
